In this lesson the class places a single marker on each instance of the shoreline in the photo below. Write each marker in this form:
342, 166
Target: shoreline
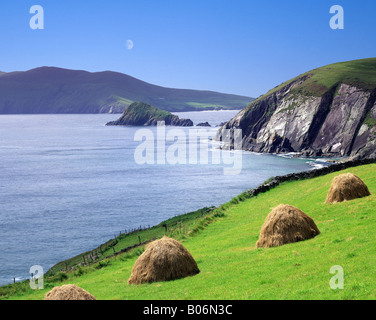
269, 184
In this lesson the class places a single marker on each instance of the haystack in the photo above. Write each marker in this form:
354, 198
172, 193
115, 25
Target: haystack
286, 224
163, 260
68, 292
346, 186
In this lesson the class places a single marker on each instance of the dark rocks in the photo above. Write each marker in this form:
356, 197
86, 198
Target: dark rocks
278, 144
181, 122
312, 153
203, 124
170, 121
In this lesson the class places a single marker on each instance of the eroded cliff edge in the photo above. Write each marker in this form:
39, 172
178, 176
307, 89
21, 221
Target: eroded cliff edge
330, 111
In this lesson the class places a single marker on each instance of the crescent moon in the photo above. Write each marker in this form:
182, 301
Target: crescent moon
130, 44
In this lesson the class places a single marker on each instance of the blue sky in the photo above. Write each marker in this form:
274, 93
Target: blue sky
239, 46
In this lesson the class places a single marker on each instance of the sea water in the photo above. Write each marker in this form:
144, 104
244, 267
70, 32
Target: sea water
68, 183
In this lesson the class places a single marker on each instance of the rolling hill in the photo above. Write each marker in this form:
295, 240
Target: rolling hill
56, 90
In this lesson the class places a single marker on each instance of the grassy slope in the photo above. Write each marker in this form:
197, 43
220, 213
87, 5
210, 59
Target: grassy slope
178, 227
232, 268
360, 73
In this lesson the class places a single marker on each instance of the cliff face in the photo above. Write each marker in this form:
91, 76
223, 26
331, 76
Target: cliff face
341, 121
142, 114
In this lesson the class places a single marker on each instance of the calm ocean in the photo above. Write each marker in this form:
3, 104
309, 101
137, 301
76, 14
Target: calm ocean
68, 183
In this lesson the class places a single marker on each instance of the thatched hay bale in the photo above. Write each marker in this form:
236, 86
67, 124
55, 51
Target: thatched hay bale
163, 260
68, 292
346, 186
286, 224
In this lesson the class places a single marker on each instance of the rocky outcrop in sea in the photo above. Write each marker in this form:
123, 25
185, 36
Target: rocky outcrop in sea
142, 114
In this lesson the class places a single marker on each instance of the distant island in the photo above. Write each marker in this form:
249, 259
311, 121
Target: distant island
51, 90
143, 114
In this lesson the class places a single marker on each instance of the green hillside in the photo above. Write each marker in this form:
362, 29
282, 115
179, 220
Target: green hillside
223, 244
56, 90
360, 73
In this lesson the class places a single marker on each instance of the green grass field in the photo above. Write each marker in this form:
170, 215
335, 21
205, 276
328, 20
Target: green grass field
233, 268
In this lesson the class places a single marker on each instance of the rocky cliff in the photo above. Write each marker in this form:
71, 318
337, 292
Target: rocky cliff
142, 114
330, 111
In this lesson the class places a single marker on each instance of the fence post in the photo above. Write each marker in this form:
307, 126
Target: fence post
139, 240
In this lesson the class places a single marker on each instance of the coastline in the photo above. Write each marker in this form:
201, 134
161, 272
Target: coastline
194, 221
271, 183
